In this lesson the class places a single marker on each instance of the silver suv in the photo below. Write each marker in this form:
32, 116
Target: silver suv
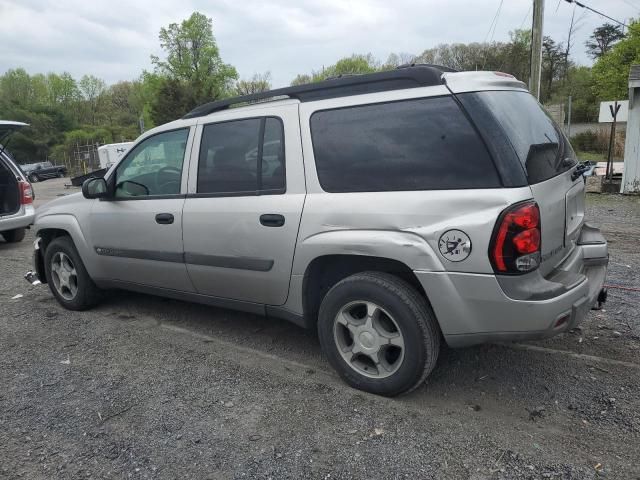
16, 195
389, 211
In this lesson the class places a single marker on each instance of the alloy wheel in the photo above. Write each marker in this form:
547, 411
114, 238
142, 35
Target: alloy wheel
64, 275
369, 339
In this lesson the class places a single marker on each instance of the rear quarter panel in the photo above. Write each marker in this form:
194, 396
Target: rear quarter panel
403, 226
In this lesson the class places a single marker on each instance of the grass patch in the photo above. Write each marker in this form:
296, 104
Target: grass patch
594, 157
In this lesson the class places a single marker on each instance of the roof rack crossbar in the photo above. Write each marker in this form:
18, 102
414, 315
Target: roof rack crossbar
409, 76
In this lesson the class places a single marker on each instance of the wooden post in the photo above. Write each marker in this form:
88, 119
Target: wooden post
536, 48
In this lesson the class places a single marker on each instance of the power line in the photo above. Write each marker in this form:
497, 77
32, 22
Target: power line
631, 4
494, 22
526, 16
596, 11
494, 25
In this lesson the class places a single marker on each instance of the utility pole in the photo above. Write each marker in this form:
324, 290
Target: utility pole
536, 48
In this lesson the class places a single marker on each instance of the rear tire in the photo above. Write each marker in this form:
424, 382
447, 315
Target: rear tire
60, 174
389, 325
14, 236
67, 277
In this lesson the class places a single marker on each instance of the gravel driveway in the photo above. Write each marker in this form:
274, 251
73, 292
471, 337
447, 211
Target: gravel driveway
144, 387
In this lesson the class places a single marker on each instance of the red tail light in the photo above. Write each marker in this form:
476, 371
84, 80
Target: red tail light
26, 193
516, 242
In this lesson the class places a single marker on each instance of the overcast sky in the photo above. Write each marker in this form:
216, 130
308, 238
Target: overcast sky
113, 39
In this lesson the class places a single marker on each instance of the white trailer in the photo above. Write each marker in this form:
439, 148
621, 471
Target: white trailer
112, 152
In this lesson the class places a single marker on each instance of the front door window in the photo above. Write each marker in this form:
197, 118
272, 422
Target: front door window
153, 167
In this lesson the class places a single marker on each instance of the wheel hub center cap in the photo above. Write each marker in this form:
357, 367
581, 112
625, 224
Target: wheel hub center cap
367, 339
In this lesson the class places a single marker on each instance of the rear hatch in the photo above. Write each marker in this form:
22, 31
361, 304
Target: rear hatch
12, 180
526, 136
7, 127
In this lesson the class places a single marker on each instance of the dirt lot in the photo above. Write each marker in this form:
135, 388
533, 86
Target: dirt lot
143, 387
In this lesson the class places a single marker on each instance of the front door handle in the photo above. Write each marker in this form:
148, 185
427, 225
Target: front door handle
164, 218
272, 220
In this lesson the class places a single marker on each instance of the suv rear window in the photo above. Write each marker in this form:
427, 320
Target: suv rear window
418, 144
540, 146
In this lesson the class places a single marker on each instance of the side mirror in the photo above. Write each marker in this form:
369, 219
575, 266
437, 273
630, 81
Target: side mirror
94, 188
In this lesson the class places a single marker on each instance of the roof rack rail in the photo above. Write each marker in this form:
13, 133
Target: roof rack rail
439, 67
403, 77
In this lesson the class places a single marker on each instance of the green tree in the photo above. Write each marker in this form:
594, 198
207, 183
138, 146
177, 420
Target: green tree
394, 60
611, 70
516, 55
16, 88
510, 57
602, 39
91, 88
62, 89
174, 99
354, 64
260, 82
553, 65
193, 59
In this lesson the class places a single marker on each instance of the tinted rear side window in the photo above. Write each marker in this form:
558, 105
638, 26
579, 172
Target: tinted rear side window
540, 146
242, 156
423, 144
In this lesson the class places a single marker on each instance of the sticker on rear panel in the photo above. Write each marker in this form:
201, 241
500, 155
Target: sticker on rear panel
454, 245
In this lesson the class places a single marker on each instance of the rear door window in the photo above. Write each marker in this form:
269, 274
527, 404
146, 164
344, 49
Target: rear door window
540, 146
242, 156
418, 144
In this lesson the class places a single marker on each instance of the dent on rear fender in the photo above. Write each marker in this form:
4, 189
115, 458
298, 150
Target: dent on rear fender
405, 247
403, 226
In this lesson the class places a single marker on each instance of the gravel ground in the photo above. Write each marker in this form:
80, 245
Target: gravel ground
143, 387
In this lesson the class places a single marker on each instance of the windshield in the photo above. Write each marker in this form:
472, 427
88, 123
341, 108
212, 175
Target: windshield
539, 144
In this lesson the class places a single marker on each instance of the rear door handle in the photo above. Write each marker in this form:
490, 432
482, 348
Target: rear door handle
272, 220
164, 218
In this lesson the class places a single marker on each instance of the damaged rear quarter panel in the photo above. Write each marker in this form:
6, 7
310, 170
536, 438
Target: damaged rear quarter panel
403, 226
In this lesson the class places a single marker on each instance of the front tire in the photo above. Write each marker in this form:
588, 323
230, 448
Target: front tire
34, 178
14, 236
379, 333
67, 277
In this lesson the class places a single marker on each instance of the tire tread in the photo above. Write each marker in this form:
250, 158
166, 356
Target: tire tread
420, 307
89, 295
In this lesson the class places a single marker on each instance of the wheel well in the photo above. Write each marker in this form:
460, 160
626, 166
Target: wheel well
46, 235
324, 272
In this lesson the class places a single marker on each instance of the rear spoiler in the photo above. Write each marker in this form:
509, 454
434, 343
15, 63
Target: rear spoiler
459, 82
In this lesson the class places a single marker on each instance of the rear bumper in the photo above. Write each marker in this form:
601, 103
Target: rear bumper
478, 308
22, 219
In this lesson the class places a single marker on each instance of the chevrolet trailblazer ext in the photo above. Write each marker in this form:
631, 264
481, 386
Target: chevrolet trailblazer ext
390, 211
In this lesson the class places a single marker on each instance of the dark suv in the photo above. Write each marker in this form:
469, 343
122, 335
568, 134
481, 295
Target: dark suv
38, 172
